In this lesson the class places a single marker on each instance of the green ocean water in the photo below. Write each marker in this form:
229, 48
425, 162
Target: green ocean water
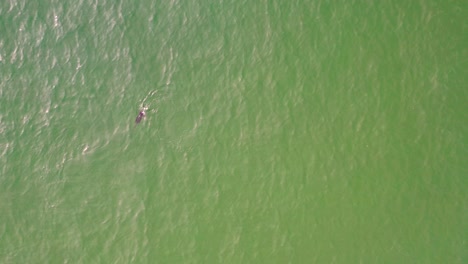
275, 132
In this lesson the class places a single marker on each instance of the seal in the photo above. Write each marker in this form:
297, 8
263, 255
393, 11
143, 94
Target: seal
140, 116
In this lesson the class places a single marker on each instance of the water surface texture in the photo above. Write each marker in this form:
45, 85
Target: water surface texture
276, 131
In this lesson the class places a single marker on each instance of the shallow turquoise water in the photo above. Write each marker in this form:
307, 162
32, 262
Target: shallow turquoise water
276, 132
